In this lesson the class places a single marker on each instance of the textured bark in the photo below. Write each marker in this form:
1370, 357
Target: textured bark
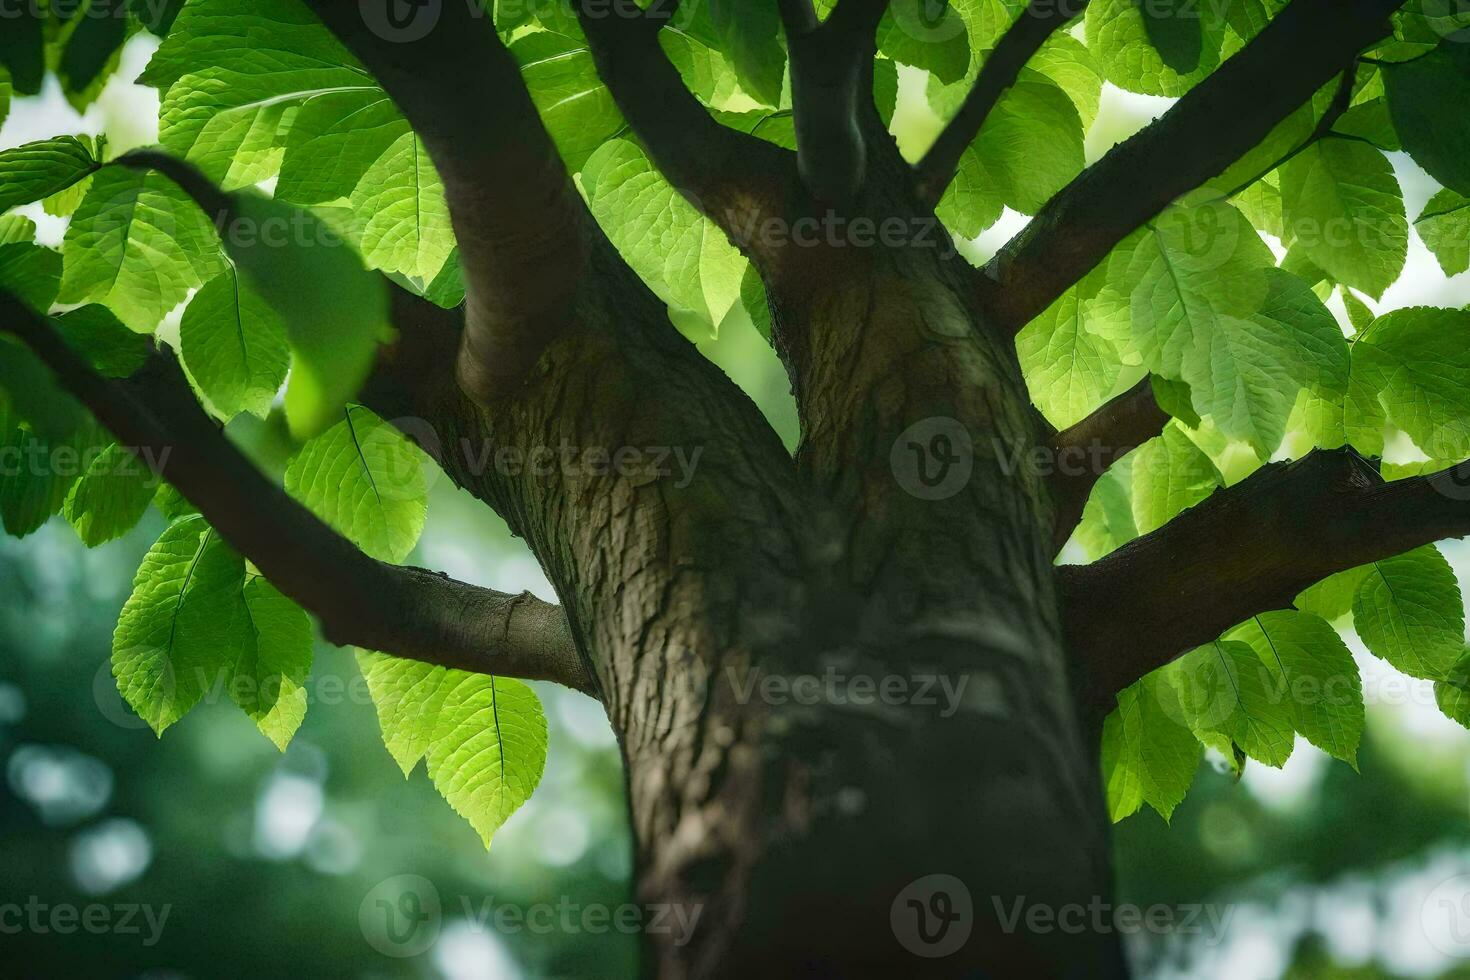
794, 827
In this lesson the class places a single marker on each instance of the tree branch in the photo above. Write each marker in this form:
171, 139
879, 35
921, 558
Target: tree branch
406, 612
1247, 550
1038, 22
831, 73
1099, 441
516, 215
730, 176
1214, 124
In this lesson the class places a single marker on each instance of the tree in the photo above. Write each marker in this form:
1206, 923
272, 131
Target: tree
481, 235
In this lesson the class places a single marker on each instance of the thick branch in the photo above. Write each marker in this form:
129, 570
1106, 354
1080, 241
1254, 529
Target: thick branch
1088, 449
360, 601
515, 212
1216, 123
730, 176
1038, 22
831, 75
1246, 550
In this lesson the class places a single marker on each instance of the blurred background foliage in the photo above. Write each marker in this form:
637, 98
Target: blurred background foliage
266, 860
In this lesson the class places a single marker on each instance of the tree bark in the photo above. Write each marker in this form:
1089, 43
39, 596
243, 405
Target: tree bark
742, 625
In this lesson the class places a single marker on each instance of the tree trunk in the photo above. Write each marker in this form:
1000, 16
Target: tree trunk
831, 682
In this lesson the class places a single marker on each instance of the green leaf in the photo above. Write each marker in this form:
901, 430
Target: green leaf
335, 311
753, 298
1170, 475
111, 497
137, 245
34, 393
1122, 776
1412, 367
97, 335
157, 16
577, 109
1343, 207
705, 70
1068, 368
1261, 203
171, 504
1107, 520
928, 36
17, 229
184, 626
1174, 398
92, 47
230, 76
1445, 228
1332, 598
485, 737
1029, 149
1370, 121
1175, 30
32, 273
682, 256
1152, 748
366, 480
269, 679
334, 139
1123, 38
1066, 61
23, 48
1408, 611
1453, 693
252, 92
37, 170
750, 36
1206, 306
7, 93
1313, 670
1427, 98
234, 346
406, 227
447, 288
36, 472
1225, 690
1359, 315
